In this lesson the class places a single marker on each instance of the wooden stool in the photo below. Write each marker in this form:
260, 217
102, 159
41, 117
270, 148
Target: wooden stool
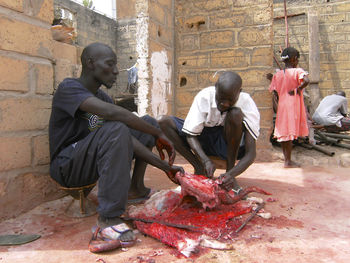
80, 206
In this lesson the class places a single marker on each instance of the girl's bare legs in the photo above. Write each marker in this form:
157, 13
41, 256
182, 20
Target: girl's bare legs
287, 152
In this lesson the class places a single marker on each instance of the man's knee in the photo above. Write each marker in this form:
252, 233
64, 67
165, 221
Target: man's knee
113, 129
165, 121
234, 116
150, 120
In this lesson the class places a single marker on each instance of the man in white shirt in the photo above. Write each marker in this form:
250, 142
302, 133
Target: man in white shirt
223, 122
332, 113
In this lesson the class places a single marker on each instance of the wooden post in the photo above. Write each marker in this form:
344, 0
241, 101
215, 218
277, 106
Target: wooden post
314, 60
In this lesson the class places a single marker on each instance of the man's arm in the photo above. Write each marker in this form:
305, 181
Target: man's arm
228, 178
196, 147
112, 112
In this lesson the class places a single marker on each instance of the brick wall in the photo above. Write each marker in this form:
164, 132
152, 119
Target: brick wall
334, 37
27, 74
224, 35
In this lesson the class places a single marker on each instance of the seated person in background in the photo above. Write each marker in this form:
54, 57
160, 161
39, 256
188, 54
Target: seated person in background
93, 139
222, 121
332, 113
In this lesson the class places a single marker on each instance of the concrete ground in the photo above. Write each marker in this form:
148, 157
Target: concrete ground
310, 221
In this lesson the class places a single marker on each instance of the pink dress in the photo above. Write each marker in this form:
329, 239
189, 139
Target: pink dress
291, 120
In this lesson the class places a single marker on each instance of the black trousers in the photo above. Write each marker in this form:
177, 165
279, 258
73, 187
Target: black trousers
104, 155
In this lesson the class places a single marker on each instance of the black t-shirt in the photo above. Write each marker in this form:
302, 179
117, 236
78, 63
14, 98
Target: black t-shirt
68, 124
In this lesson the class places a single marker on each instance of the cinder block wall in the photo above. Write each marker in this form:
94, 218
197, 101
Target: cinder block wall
161, 54
225, 35
334, 39
146, 36
27, 82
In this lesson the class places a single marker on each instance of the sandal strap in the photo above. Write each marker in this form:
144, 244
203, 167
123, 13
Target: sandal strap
237, 191
114, 232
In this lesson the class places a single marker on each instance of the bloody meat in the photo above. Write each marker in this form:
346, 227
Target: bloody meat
213, 213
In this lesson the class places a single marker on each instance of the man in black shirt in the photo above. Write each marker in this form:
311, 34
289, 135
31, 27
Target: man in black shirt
93, 139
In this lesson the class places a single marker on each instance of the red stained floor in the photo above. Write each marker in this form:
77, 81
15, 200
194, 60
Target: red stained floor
310, 223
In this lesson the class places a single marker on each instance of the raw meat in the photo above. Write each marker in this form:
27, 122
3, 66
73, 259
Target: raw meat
209, 192
196, 225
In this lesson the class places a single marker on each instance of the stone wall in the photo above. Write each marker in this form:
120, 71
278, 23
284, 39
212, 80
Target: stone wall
224, 35
334, 37
27, 72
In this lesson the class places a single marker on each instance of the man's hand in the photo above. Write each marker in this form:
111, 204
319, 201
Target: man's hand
269, 76
163, 143
291, 92
173, 171
226, 181
209, 168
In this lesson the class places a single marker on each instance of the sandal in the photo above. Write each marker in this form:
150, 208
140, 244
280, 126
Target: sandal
97, 245
114, 233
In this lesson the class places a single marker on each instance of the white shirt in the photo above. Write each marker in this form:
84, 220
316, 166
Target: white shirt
330, 109
204, 113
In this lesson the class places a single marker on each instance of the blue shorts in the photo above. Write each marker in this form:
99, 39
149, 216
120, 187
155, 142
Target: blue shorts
211, 139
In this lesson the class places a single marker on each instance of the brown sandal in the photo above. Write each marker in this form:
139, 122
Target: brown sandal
97, 245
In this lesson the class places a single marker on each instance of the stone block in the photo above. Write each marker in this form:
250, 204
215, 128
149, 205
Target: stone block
255, 36
166, 3
15, 153
126, 9
209, 6
14, 74
218, 39
24, 114
246, 3
182, 112
42, 10
189, 42
63, 69
184, 98
44, 79
342, 7
229, 20
261, 15
25, 38
186, 80
65, 51
161, 34
254, 77
194, 61
262, 98
193, 23
13, 4
230, 58
41, 150
157, 13
207, 78
266, 117
262, 56
332, 18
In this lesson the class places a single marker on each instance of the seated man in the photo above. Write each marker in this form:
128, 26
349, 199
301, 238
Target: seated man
332, 113
93, 139
222, 121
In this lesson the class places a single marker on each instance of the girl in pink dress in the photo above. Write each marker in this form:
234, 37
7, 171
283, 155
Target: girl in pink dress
291, 120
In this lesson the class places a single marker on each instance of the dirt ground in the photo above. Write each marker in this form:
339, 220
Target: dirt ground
310, 220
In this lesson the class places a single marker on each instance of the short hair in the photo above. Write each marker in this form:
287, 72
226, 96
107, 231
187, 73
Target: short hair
90, 52
228, 78
341, 93
289, 53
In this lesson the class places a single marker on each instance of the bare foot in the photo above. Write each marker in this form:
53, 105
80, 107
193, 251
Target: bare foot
291, 164
134, 194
